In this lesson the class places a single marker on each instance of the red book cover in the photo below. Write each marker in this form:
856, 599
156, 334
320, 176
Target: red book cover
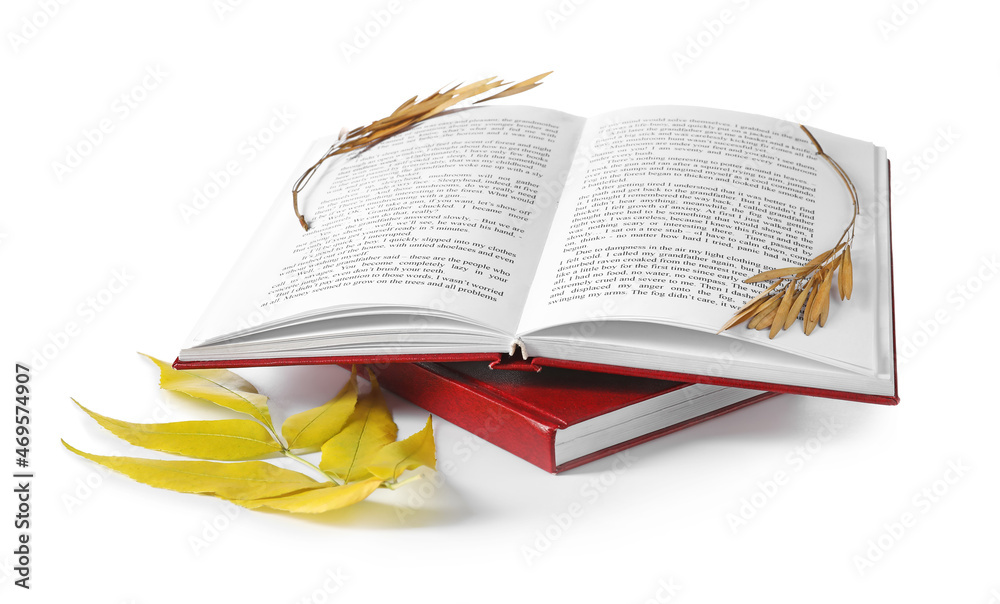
523, 412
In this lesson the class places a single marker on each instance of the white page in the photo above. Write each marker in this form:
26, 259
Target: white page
448, 217
700, 253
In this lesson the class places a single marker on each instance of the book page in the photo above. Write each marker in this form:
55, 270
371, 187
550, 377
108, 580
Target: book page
669, 209
448, 217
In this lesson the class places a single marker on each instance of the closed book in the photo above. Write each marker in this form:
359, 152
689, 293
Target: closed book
557, 418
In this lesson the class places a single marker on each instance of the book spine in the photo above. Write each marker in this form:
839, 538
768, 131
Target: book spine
486, 415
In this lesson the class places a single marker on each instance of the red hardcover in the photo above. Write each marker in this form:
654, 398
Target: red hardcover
521, 412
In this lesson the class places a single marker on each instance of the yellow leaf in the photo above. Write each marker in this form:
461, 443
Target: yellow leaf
219, 386
310, 429
413, 452
369, 429
236, 481
225, 440
317, 500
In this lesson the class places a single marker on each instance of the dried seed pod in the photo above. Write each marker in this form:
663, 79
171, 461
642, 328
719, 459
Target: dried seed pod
748, 309
406, 115
813, 300
820, 259
815, 305
824, 301
845, 282
800, 300
786, 304
745, 313
767, 320
807, 321
773, 274
771, 303
516, 88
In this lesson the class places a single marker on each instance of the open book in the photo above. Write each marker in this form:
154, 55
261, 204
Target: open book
617, 243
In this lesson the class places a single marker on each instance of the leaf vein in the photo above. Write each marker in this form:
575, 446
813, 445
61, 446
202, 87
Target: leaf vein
238, 393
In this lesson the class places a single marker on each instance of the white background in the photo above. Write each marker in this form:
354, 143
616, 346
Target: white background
919, 79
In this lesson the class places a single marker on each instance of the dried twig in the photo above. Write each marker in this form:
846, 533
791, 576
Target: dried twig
779, 311
409, 113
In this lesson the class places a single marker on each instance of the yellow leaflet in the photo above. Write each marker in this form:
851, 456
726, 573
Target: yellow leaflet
369, 429
413, 452
310, 429
220, 386
237, 481
317, 500
225, 440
